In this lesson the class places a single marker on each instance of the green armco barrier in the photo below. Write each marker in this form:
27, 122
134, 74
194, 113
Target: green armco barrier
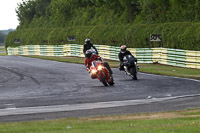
21, 50
174, 57
58, 50
31, 49
43, 50
144, 55
11, 51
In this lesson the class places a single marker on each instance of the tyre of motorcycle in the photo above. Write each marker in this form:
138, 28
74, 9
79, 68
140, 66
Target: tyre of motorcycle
102, 78
111, 81
133, 72
93, 76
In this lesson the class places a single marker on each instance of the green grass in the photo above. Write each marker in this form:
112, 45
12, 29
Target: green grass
170, 70
2, 48
147, 68
3, 54
167, 122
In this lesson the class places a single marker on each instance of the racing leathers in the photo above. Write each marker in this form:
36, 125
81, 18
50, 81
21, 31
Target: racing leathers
121, 56
94, 57
88, 46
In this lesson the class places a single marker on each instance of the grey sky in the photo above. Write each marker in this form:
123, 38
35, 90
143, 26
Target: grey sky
8, 16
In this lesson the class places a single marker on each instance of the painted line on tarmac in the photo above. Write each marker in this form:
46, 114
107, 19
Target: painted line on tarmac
84, 106
170, 76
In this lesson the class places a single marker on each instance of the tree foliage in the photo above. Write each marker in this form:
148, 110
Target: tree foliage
64, 13
110, 22
174, 35
2, 37
28, 10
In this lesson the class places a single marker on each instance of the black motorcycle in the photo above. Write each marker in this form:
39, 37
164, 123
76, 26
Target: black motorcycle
130, 66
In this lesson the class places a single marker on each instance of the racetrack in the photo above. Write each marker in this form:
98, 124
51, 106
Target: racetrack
39, 89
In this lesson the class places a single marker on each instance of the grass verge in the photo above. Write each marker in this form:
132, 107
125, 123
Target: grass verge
147, 68
2, 51
3, 54
187, 121
2, 48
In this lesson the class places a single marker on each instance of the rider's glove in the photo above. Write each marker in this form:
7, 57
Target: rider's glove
88, 70
101, 59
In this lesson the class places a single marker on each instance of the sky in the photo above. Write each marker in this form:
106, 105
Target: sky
8, 16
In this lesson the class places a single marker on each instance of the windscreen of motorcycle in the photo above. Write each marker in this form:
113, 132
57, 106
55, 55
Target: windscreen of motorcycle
129, 58
95, 63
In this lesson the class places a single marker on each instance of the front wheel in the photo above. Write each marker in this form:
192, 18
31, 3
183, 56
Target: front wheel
111, 81
134, 77
133, 73
103, 80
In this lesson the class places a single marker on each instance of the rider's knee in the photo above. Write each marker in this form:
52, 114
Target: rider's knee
106, 64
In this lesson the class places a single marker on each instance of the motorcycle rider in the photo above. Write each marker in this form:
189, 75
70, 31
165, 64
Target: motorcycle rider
92, 57
123, 52
88, 45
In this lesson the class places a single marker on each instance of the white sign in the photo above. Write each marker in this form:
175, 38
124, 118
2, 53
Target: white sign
71, 38
155, 37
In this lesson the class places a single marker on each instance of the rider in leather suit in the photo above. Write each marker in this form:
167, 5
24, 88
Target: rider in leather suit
123, 52
88, 45
91, 57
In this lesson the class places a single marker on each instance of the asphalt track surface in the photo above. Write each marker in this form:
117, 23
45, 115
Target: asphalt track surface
34, 89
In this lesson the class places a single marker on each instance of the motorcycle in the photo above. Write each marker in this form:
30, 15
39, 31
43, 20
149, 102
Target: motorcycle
98, 70
130, 66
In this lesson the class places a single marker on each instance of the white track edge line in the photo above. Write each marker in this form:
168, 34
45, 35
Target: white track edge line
170, 76
84, 106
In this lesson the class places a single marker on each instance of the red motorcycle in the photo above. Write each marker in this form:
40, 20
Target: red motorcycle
98, 70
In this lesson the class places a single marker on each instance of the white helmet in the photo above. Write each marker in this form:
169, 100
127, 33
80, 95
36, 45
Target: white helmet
123, 48
88, 53
87, 40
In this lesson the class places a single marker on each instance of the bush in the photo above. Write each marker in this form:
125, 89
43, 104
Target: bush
180, 35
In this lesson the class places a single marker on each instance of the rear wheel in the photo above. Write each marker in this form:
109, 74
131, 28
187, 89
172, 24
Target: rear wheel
103, 80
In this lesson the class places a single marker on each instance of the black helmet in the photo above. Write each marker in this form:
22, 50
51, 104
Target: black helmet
87, 40
88, 53
123, 48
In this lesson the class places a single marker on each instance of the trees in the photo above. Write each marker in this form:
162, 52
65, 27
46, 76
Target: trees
130, 8
2, 37
103, 19
27, 10
181, 10
63, 13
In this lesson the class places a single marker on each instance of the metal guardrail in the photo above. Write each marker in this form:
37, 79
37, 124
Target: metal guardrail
175, 57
